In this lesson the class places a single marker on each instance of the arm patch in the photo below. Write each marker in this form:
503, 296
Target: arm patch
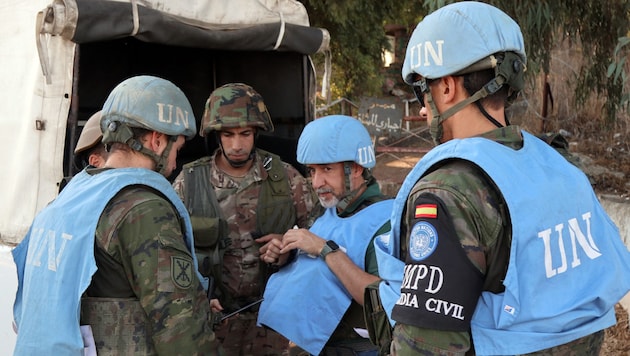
182, 271
441, 286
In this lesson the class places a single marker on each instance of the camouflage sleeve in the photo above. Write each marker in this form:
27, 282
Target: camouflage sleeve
178, 185
160, 269
303, 195
478, 226
473, 208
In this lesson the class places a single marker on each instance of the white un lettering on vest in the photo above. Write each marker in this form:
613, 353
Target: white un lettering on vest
554, 240
48, 244
167, 111
429, 279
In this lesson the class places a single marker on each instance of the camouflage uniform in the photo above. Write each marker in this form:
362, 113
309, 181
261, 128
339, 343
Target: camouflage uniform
478, 215
244, 274
139, 252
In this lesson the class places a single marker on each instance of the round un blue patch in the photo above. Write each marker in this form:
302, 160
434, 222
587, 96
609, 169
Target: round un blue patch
422, 241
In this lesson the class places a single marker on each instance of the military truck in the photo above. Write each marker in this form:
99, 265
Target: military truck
60, 60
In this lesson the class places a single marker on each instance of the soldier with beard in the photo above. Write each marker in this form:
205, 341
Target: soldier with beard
316, 300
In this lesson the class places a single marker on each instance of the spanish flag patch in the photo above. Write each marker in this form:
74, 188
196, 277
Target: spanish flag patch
427, 211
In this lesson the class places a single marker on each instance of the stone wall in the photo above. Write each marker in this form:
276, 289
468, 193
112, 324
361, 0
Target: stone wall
619, 211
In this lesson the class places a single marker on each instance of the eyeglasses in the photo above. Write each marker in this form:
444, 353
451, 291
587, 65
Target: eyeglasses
420, 88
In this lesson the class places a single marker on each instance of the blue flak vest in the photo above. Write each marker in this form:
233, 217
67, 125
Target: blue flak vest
305, 301
568, 266
55, 260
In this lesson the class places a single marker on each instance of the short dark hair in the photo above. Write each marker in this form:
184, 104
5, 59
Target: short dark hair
474, 81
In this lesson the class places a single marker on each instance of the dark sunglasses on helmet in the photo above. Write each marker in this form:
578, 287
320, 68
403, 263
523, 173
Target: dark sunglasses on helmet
421, 87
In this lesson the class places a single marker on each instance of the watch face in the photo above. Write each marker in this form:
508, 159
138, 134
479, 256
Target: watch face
332, 244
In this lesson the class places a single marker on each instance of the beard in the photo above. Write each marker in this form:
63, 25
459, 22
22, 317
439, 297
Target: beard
327, 202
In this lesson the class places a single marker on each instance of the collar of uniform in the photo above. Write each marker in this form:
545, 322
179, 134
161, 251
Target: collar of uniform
363, 200
508, 136
223, 180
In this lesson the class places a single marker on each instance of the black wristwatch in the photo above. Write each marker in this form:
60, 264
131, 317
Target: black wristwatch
330, 246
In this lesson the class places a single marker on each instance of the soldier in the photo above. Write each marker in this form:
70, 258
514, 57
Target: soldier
241, 198
90, 151
497, 235
113, 251
316, 301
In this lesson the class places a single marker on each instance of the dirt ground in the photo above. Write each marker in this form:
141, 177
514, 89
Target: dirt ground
606, 161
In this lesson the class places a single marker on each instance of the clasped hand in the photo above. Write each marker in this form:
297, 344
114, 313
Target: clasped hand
276, 249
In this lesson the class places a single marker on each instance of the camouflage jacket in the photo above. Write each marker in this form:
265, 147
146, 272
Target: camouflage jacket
139, 252
244, 275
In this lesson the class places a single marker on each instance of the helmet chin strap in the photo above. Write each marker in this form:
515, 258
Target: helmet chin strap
489, 117
161, 161
126, 136
349, 195
237, 164
436, 130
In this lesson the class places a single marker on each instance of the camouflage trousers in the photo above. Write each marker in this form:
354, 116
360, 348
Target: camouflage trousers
412, 340
407, 340
241, 337
589, 345
361, 349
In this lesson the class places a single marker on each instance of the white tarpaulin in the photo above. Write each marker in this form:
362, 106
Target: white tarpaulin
33, 157
34, 107
231, 14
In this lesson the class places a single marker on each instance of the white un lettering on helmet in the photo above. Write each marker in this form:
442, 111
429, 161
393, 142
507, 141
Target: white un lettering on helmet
171, 114
365, 155
427, 54
482, 29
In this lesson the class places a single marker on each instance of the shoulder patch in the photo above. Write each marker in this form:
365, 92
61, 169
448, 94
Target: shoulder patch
423, 240
427, 211
182, 271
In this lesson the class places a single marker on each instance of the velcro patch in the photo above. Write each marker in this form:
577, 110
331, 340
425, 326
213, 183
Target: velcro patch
427, 211
181, 271
423, 240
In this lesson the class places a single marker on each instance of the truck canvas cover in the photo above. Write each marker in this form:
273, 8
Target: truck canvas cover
39, 43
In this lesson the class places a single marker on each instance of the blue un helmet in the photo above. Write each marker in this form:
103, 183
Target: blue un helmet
336, 138
462, 38
149, 103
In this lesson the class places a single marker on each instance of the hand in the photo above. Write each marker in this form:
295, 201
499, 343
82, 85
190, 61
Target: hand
215, 306
270, 251
304, 240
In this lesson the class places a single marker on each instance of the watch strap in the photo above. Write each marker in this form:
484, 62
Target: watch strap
330, 246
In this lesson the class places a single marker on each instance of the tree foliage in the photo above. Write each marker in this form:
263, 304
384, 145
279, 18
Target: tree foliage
357, 39
596, 26
600, 28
